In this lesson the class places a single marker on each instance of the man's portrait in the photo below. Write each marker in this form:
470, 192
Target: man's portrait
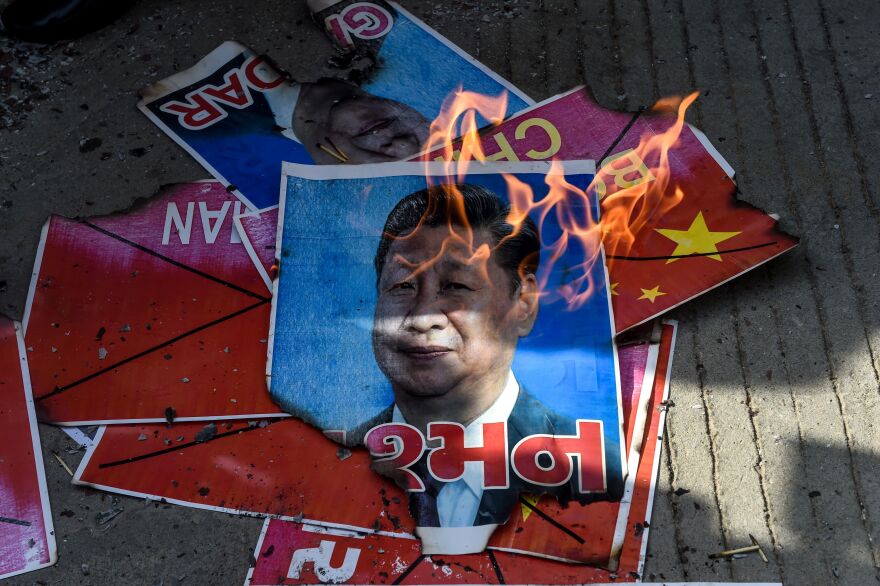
241, 116
338, 122
415, 305
456, 290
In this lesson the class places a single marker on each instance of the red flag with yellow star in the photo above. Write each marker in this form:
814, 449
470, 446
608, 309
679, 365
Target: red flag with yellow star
673, 226
690, 233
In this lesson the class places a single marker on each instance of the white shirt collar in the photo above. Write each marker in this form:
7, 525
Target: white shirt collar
500, 410
282, 101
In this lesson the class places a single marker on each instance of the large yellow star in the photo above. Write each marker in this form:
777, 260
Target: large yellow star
613, 288
651, 294
697, 239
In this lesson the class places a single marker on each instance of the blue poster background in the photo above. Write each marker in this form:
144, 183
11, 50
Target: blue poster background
323, 368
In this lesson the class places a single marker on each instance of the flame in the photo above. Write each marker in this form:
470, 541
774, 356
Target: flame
627, 207
577, 226
458, 118
628, 210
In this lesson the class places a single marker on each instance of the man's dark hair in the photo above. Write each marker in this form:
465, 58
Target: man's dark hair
442, 205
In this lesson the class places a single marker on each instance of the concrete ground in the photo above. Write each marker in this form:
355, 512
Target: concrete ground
774, 429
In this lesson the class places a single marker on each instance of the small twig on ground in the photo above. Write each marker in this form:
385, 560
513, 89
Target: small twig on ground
63, 463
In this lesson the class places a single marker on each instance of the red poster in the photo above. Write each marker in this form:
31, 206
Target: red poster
280, 467
292, 553
148, 315
27, 538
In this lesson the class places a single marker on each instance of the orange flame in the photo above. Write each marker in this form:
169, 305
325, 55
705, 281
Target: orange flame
627, 206
458, 118
627, 210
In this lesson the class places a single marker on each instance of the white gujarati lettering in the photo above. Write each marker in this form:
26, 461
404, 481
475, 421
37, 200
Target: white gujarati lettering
320, 557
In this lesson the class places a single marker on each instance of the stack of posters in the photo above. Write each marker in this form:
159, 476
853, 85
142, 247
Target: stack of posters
354, 501
690, 236
419, 322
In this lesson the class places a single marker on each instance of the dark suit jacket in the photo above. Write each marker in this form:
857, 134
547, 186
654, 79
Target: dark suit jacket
529, 417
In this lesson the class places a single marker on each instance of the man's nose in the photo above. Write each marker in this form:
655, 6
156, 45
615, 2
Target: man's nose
427, 314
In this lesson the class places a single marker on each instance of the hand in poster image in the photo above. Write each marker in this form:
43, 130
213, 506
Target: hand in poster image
241, 116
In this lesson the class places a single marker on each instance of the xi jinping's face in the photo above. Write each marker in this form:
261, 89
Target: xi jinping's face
447, 315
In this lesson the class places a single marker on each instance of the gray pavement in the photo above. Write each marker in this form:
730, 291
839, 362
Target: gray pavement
775, 382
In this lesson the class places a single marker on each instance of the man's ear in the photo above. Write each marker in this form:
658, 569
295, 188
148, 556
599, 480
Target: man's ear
527, 304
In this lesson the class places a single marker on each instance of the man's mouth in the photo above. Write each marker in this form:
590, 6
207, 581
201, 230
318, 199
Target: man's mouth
425, 353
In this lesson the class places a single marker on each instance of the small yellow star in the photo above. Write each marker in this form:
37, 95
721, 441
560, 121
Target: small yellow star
697, 239
613, 288
651, 294
532, 500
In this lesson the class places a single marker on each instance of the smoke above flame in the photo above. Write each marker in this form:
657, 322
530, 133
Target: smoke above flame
626, 206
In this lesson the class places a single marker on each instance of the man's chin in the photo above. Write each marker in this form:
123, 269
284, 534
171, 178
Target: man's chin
424, 389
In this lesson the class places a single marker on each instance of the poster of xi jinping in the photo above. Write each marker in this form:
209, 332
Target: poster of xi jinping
456, 322
240, 116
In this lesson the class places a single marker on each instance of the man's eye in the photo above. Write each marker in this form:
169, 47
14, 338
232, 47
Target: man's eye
402, 286
456, 286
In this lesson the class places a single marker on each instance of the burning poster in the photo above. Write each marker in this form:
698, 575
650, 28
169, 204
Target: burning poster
27, 538
155, 314
459, 313
663, 187
673, 226
240, 116
290, 553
